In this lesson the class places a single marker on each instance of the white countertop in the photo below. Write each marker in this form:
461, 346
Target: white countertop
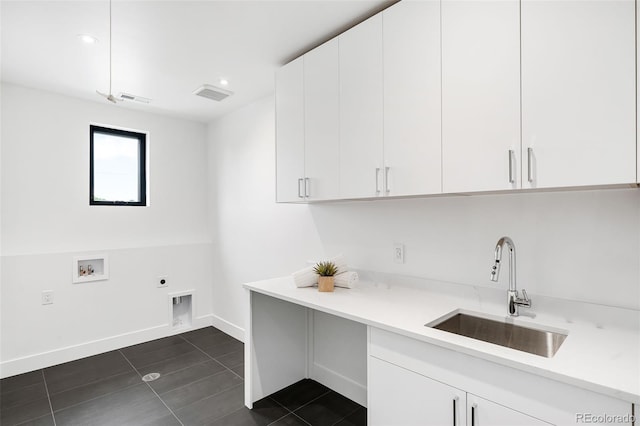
598, 356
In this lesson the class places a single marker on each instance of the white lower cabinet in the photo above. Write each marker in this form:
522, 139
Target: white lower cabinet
410, 382
482, 412
400, 397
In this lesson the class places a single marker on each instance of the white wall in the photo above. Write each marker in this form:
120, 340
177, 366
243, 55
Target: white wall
46, 220
575, 245
255, 238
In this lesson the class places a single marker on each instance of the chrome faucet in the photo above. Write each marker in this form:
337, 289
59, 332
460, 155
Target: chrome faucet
513, 299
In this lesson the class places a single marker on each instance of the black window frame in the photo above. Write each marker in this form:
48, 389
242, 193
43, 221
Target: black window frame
142, 169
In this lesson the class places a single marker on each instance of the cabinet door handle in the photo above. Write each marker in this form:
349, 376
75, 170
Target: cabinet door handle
299, 191
386, 180
530, 164
511, 177
377, 180
455, 412
307, 185
474, 407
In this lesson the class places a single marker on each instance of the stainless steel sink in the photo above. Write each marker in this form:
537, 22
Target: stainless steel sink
535, 341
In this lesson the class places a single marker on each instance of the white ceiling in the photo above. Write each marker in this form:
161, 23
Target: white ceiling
164, 50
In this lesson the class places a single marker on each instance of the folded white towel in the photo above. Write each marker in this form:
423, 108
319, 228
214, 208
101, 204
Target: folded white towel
305, 277
340, 263
346, 279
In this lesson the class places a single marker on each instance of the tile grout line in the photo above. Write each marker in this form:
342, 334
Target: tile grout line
313, 400
301, 418
91, 382
152, 390
198, 348
197, 381
44, 379
289, 412
359, 406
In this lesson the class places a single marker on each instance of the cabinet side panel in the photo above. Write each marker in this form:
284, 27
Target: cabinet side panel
278, 345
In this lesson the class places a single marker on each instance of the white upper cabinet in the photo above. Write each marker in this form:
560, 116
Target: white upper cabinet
578, 92
412, 143
637, 94
361, 116
290, 132
480, 95
322, 121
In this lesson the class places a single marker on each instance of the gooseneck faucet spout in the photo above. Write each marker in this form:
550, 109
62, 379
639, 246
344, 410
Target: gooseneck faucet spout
513, 299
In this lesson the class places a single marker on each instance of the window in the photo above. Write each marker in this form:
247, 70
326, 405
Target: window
117, 167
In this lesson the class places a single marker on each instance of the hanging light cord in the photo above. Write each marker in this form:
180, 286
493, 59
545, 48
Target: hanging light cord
110, 59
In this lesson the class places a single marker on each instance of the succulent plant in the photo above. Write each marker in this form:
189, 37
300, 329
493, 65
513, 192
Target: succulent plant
326, 269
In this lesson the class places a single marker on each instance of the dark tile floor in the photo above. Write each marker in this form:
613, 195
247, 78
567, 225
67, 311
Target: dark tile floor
201, 383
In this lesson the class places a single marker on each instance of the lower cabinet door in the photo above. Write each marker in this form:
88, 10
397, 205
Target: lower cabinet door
399, 397
482, 412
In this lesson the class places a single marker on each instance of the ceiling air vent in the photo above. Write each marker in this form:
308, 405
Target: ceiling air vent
212, 92
130, 97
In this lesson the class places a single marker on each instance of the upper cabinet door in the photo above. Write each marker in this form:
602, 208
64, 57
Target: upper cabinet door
480, 95
412, 143
322, 120
578, 92
361, 110
290, 132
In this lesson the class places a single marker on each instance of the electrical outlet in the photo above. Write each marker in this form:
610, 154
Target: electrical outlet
47, 297
398, 253
163, 281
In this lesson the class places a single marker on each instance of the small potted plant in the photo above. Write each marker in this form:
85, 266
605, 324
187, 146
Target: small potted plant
326, 270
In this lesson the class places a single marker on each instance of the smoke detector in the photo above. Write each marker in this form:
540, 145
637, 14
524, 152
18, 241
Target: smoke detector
212, 92
130, 97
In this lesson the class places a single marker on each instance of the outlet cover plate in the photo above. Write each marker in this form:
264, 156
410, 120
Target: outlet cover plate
47, 297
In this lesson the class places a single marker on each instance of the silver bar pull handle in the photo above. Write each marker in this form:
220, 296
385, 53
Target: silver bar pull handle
474, 407
530, 164
307, 185
511, 171
377, 180
455, 411
386, 180
299, 191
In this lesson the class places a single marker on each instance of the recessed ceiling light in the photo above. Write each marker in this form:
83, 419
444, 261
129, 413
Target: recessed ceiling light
224, 82
88, 39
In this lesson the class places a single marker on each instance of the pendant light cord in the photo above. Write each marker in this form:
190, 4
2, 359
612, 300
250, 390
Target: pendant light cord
110, 59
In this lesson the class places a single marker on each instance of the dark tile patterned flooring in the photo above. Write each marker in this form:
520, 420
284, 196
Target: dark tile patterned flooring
201, 383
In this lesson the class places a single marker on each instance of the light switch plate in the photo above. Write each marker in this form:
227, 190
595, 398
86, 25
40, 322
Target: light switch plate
398, 253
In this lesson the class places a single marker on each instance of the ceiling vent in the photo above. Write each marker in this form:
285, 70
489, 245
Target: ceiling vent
130, 97
212, 92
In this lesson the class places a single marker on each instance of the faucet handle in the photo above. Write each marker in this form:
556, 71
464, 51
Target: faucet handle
525, 301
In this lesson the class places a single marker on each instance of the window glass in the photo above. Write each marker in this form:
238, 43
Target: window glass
117, 167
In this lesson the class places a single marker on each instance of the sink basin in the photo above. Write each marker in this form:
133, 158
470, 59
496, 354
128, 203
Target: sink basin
535, 341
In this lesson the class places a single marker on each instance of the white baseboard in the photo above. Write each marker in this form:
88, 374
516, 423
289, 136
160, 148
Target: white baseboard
343, 385
229, 328
70, 353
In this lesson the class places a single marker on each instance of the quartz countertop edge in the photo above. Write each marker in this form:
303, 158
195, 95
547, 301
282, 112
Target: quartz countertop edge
406, 310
